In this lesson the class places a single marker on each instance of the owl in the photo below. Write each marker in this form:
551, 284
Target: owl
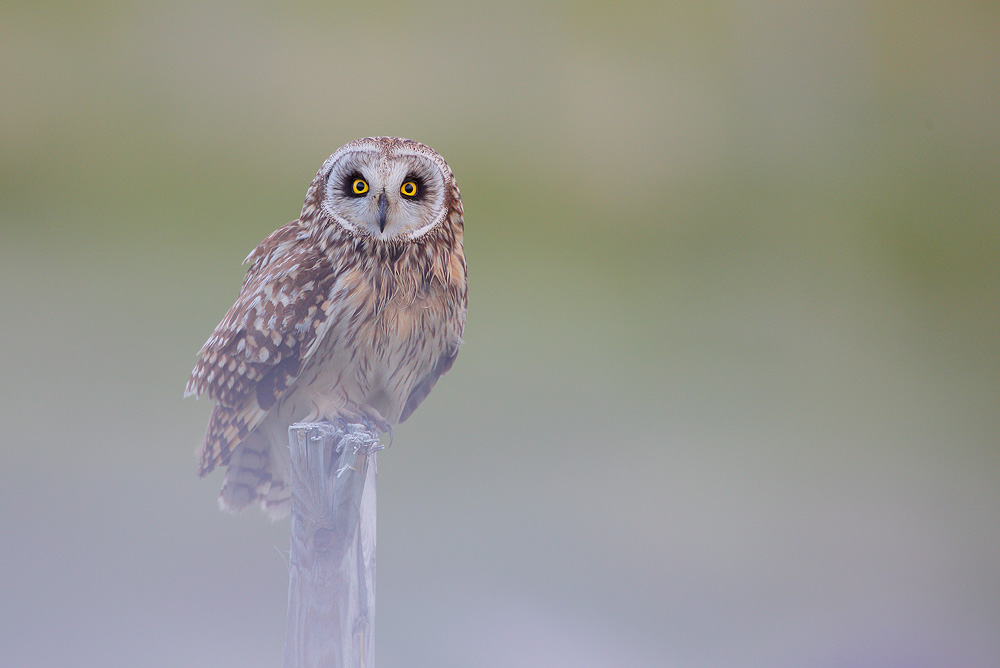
352, 311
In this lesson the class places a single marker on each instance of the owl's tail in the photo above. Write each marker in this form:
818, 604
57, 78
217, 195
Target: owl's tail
257, 474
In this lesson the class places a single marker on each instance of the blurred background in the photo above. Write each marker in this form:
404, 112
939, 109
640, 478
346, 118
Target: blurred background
730, 393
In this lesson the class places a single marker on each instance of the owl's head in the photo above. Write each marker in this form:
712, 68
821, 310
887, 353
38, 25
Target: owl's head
386, 188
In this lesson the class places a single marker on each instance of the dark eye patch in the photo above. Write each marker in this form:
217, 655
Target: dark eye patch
421, 187
348, 185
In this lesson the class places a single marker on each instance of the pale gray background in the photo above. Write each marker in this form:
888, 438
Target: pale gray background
730, 388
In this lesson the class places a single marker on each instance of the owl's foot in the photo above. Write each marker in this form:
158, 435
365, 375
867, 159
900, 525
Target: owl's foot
366, 416
375, 419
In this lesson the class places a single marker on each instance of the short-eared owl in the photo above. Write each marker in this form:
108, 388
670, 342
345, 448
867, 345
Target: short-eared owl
353, 310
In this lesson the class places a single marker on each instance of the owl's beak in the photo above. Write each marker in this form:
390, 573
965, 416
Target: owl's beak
383, 204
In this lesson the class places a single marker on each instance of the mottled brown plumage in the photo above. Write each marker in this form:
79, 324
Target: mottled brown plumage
354, 309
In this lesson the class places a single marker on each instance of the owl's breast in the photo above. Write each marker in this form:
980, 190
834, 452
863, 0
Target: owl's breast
409, 335
384, 340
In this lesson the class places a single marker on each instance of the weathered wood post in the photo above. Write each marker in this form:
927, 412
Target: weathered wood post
331, 586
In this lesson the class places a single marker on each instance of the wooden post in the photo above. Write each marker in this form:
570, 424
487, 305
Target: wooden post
331, 586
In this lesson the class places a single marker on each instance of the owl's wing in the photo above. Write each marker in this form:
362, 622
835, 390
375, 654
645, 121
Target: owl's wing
426, 384
259, 348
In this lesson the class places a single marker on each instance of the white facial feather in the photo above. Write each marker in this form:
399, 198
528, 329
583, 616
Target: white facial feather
385, 171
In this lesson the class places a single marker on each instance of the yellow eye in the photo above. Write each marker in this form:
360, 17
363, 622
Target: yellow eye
360, 186
409, 189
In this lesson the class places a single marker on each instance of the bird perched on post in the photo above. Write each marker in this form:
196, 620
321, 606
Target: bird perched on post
352, 311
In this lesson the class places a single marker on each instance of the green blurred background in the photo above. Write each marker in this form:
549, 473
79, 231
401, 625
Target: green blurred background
730, 394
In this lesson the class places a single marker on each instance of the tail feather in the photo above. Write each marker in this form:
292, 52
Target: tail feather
226, 429
257, 474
